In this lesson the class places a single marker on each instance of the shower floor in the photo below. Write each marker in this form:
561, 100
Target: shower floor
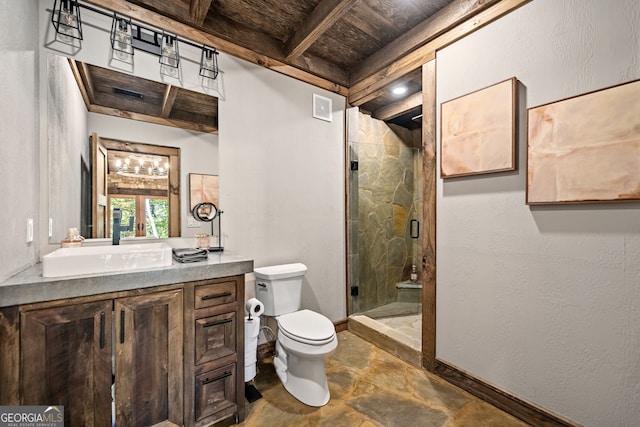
410, 328
397, 322
394, 309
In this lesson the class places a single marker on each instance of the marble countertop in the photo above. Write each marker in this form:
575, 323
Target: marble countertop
30, 287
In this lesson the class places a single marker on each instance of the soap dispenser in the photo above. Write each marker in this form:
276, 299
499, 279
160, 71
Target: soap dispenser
73, 239
414, 274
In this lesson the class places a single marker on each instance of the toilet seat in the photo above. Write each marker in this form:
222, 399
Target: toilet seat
307, 327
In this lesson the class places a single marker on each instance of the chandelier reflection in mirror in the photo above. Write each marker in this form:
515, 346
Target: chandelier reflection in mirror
142, 166
126, 36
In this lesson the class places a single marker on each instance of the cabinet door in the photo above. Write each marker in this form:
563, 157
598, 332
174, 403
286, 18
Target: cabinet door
149, 359
66, 360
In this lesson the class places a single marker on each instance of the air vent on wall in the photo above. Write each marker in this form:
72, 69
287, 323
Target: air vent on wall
126, 92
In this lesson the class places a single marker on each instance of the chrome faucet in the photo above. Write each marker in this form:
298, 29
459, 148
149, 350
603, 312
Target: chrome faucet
117, 228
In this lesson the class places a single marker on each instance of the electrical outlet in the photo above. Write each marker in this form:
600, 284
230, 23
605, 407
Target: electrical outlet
192, 222
29, 230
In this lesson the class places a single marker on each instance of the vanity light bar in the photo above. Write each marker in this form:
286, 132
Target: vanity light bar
65, 18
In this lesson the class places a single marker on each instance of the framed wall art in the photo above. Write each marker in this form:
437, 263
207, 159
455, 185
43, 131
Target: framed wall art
585, 148
479, 131
203, 188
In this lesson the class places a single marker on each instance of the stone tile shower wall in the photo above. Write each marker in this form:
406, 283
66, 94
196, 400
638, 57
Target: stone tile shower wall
384, 196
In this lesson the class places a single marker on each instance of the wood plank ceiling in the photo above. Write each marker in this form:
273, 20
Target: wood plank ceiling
359, 48
111, 92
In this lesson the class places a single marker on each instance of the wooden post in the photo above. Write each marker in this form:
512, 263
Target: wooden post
429, 215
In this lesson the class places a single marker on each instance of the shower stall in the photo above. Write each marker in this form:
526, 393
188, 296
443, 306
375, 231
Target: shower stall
384, 219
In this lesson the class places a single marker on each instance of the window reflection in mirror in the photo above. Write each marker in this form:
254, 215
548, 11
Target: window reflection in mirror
138, 184
138, 179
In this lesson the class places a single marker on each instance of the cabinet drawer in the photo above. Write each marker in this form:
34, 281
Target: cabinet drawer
215, 391
215, 337
215, 294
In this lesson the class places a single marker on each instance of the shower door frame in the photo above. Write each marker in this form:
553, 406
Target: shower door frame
429, 175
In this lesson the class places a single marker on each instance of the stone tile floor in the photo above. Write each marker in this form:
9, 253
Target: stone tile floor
371, 388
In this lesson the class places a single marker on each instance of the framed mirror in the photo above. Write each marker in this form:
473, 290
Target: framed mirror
122, 110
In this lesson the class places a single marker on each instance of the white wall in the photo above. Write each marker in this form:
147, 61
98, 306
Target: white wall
19, 158
67, 144
543, 301
282, 180
198, 153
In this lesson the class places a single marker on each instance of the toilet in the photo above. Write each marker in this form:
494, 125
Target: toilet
304, 337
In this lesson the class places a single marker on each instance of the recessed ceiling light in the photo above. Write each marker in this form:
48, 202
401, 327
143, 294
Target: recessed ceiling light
399, 90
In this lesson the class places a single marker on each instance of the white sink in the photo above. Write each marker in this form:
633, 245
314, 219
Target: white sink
105, 259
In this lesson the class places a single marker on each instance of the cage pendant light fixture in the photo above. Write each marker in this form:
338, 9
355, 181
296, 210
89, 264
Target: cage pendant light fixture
121, 36
66, 19
209, 63
169, 54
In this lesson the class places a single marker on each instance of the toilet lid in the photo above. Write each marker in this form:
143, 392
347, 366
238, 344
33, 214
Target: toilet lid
307, 326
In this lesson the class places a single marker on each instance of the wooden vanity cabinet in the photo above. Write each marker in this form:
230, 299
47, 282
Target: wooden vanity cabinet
178, 352
214, 363
66, 360
148, 356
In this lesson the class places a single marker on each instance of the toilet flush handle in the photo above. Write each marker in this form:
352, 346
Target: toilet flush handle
262, 285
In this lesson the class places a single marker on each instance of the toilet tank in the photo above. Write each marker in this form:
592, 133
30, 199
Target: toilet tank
279, 287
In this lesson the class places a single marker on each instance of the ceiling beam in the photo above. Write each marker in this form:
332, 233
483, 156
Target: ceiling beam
153, 119
198, 10
169, 98
398, 108
445, 19
262, 44
362, 91
87, 93
326, 13
157, 20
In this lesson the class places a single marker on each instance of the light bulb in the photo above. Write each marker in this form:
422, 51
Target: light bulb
68, 23
66, 15
169, 53
123, 41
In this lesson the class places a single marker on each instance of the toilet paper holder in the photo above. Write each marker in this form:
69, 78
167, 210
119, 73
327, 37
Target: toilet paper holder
254, 308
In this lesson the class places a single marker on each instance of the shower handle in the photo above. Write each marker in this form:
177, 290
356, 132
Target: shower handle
414, 228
